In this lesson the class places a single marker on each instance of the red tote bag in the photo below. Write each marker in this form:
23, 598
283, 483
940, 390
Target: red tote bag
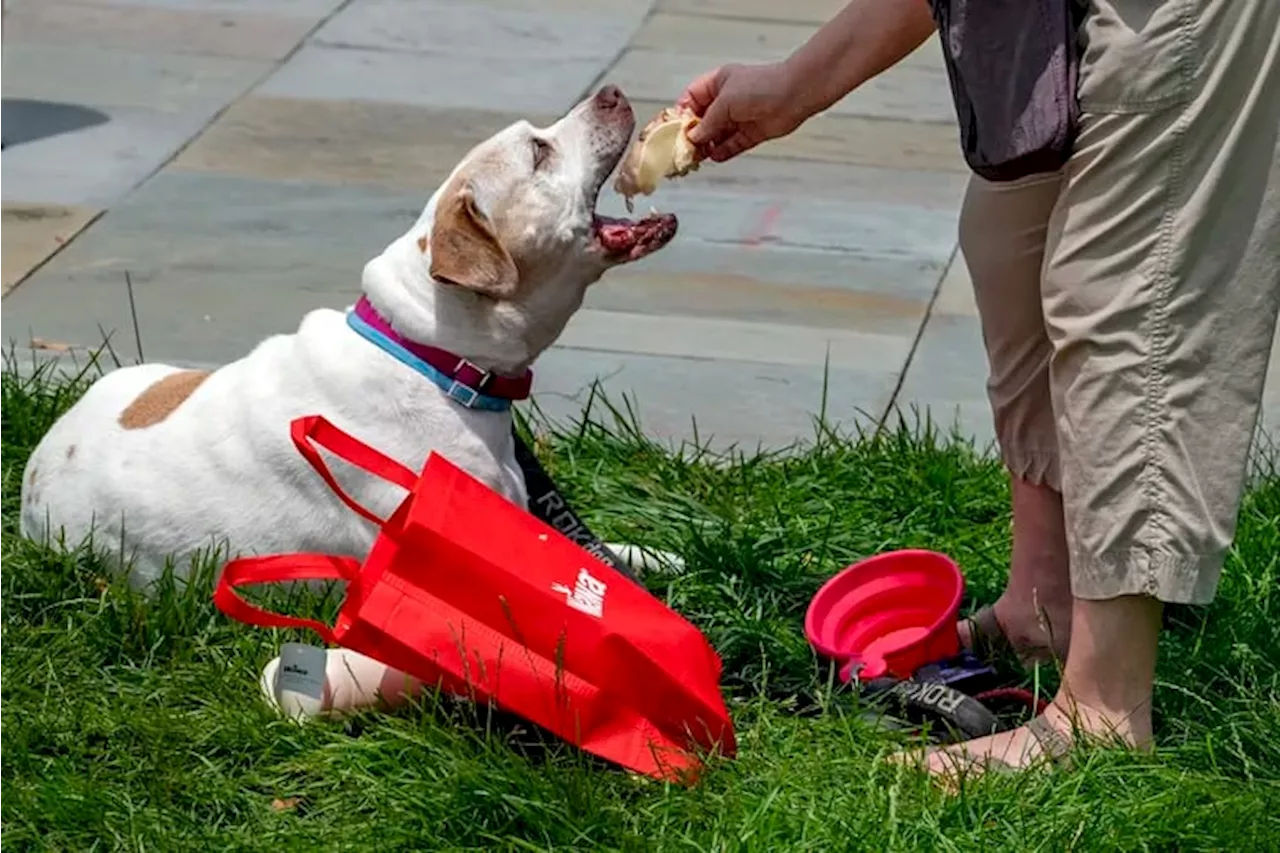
465, 590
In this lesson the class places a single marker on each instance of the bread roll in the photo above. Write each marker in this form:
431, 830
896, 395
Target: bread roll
662, 150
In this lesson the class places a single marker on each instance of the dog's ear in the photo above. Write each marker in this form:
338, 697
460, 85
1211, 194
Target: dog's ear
465, 249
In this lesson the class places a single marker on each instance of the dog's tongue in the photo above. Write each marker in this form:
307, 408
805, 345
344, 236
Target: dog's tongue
635, 237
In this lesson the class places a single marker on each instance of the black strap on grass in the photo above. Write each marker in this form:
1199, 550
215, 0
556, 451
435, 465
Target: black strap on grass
549, 506
929, 702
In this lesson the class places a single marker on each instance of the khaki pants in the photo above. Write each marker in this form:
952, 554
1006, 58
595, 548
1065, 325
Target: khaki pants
1129, 303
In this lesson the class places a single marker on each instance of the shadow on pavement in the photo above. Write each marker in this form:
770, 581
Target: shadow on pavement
26, 121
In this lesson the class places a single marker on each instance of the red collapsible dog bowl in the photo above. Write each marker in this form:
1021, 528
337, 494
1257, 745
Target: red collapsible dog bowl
888, 615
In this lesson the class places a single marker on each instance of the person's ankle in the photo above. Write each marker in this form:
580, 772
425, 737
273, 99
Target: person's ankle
1130, 726
1036, 625
1037, 635
1108, 683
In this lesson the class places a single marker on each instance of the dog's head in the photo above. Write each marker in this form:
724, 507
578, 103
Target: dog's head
519, 212
511, 241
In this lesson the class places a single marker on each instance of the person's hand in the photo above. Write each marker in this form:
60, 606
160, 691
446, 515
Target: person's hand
741, 106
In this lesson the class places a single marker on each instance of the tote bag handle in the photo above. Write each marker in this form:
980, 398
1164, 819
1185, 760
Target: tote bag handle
277, 569
312, 430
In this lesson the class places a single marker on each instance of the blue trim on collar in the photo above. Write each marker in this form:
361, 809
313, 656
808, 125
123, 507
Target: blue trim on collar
464, 395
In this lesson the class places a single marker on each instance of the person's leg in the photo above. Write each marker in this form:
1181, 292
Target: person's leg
1161, 293
1033, 614
1003, 229
1105, 693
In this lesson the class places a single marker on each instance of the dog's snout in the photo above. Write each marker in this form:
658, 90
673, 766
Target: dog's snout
611, 100
609, 97
608, 120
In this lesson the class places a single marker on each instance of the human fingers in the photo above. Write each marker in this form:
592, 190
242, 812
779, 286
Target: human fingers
702, 91
732, 147
717, 122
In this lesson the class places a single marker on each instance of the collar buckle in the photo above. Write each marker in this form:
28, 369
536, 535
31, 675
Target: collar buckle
462, 393
472, 374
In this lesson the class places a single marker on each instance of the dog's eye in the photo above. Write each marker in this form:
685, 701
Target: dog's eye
541, 152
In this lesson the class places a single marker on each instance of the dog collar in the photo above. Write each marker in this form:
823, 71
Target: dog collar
463, 381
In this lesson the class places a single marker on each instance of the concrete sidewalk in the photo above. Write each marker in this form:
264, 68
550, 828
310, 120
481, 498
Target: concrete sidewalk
257, 152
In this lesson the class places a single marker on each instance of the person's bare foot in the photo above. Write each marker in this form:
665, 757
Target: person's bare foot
1045, 742
1105, 696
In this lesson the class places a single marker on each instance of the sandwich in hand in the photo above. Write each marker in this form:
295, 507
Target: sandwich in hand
661, 151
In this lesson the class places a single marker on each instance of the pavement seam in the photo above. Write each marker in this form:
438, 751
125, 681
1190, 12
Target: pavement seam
57, 250
177, 152
598, 80
915, 344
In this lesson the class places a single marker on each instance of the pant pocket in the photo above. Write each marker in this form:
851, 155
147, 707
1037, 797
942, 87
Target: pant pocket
1138, 55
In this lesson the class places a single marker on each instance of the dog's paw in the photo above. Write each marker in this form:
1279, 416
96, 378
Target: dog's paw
640, 558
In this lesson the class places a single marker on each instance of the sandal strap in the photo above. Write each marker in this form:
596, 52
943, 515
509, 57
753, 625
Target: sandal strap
990, 643
987, 625
1055, 745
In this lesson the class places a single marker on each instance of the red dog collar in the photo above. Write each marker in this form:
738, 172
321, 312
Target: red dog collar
453, 367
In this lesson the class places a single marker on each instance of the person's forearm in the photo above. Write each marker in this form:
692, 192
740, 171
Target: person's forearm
865, 38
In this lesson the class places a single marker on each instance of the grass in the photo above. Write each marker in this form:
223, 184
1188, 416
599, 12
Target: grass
132, 724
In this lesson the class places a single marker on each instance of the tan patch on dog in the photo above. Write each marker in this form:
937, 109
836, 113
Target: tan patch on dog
423, 243
160, 400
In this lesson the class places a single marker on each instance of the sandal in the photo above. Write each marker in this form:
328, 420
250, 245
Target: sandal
1055, 749
1055, 753
990, 643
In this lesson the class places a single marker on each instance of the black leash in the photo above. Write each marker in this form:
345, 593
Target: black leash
959, 699
549, 506
951, 715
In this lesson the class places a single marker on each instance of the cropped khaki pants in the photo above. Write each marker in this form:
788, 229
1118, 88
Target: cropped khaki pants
1128, 303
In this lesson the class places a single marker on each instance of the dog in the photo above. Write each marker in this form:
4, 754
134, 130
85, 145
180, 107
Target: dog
159, 464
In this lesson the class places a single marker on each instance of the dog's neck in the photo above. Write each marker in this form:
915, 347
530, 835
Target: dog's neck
494, 335
490, 334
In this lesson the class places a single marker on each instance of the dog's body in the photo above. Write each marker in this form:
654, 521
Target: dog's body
221, 469
157, 463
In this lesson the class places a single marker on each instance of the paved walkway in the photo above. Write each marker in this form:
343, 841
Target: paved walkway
255, 153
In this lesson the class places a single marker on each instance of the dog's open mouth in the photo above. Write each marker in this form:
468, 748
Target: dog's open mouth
632, 239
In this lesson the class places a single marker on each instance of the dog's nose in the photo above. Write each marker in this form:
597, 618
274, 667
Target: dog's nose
610, 98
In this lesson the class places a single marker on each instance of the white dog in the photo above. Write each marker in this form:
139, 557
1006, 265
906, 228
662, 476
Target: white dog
157, 462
